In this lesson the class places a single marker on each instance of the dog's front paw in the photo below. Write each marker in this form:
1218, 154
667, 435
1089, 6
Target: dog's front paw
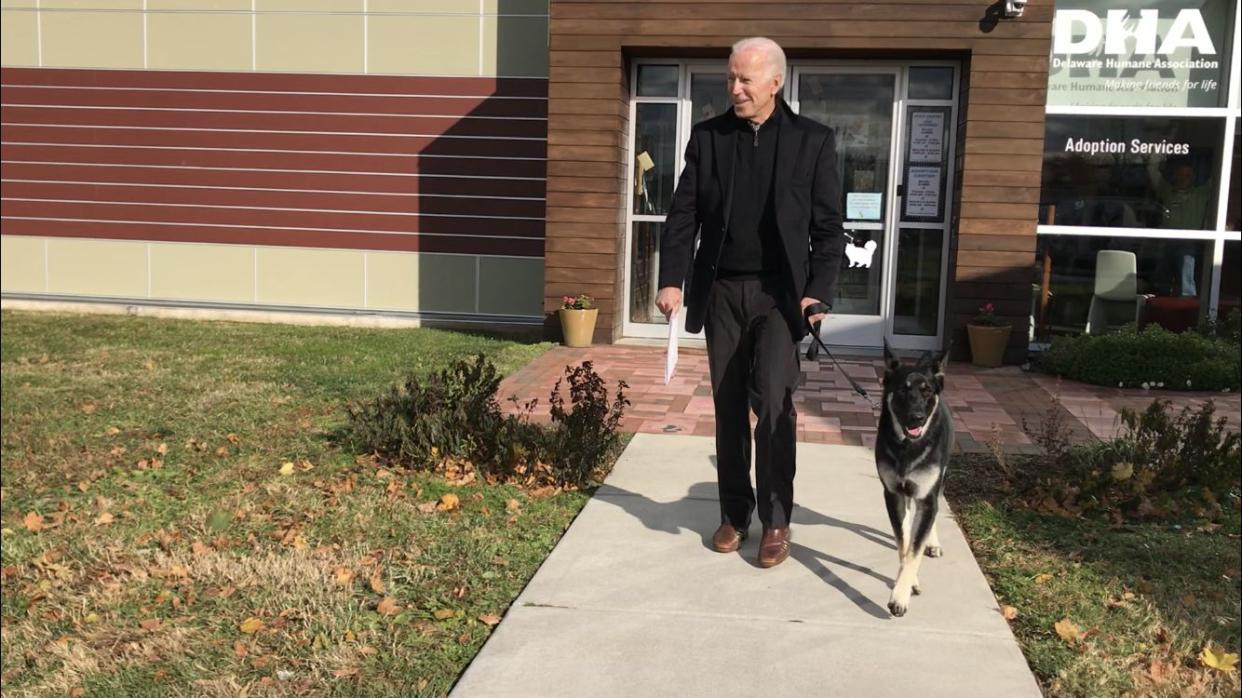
897, 609
933, 551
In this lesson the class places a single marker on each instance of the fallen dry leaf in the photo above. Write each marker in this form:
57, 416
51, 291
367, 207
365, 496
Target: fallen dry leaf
286, 468
388, 607
489, 619
1043, 578
1009, 612
232, 438
149, 624
1068, 631
513, 505
1159, 672
444, 614
448, 502
1220, 661
427, 507
33, 522
343, 576
103, 519
251, 625
377, 583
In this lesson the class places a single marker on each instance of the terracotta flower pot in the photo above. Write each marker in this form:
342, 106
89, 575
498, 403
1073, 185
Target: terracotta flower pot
987, 344
578, 326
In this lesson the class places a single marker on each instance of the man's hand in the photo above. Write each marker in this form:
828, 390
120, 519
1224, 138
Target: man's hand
814, 318
669, 300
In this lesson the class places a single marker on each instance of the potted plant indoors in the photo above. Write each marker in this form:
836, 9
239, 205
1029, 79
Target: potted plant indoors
989, 335
578, 315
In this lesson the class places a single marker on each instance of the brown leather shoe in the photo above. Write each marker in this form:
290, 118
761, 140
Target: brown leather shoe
774, 547
728, 539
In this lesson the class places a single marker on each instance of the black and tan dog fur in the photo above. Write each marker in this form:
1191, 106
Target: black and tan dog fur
912, 448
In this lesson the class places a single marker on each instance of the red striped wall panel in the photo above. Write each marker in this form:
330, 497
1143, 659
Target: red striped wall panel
344, 161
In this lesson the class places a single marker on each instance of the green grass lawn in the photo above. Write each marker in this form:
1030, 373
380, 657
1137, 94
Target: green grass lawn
178, 520
1144, 598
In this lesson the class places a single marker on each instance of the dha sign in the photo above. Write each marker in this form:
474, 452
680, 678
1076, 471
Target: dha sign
1187, 31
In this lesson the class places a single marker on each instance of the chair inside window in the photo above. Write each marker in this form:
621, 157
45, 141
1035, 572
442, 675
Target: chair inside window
1116, 301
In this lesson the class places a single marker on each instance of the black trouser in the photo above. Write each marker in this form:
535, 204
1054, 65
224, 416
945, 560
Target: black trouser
754, 364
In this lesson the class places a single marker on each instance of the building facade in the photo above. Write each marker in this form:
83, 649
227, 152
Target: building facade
468, 161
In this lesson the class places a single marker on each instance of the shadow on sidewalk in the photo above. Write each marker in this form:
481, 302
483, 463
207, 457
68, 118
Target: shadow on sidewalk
673, 518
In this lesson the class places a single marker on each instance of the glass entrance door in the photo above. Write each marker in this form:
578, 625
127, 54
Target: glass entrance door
894, 126
860, 105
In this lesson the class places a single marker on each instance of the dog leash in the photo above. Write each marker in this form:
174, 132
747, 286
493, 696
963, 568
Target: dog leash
812, 352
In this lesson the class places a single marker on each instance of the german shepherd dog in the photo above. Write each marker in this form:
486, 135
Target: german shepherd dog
912, 448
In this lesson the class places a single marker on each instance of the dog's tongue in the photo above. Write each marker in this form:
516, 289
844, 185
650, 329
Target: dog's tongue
916, 432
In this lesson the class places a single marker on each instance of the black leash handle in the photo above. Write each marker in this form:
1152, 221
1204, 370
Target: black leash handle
812, 352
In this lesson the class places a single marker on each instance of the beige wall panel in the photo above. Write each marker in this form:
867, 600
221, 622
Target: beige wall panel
290, 276
92, 39
97, 267
21, 264
308, 5
456, 7
446, 282
515, 46
193, 5
392, 280
423, 45
510, 286
88, 4
309, 43
198, 41
516, 7
19, 44
222, 273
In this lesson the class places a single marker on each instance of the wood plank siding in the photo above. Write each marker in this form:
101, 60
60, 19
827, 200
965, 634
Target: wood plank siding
1005, 70
451, 165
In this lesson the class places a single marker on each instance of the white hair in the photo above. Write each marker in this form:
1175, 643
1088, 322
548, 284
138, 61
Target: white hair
775, 54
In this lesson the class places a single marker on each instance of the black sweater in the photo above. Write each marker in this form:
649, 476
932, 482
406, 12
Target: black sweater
752, 247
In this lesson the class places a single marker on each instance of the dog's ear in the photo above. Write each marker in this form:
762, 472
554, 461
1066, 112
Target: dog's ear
937, 367
891, 363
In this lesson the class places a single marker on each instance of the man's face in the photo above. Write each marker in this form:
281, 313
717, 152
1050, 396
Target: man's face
753, 84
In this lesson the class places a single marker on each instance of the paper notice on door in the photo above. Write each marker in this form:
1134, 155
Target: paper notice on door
926, 136
863, 206
670, 353
923, 192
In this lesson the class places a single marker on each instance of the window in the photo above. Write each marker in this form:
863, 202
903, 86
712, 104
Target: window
1172, 275
1164, 53
1135, 172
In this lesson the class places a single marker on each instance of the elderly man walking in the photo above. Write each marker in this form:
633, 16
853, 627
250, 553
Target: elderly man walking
761, 191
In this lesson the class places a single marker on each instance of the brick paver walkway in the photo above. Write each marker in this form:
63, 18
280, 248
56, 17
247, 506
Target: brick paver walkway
989, 405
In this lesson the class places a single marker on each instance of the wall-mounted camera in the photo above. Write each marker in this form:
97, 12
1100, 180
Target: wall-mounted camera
1014, 8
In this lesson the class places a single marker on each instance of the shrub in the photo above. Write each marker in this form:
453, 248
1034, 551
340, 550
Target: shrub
1153, 357
453, 416
1160, 461
451, 413
583, 436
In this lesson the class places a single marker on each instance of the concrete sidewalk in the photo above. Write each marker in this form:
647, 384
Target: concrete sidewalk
633, 602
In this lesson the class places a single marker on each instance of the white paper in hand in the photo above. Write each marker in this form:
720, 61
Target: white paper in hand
670, 355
